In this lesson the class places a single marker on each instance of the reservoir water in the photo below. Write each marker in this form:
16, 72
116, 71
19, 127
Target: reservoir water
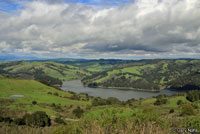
123, 95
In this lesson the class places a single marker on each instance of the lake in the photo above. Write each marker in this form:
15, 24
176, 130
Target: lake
123, 95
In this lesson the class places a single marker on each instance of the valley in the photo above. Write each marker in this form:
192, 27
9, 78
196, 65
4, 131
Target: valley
80, 110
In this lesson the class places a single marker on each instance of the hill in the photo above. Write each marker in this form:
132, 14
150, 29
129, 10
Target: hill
92, 65
33, 91
50, 73
149, 75
73, 113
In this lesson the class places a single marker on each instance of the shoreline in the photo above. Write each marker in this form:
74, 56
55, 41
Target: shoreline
128, 88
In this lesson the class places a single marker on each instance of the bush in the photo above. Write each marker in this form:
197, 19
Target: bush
193, 95
8, 120
39, 119
19, 121
171, 111
75, 97
179, 102
49, 93
78, 112
34, 102
160, 101
60, 121
53, 105
113, 100
187, 109
131, 100
99, 101
1, 119
56, 94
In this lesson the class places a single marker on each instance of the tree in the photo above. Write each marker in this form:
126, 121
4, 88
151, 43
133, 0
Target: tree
34, 102
39, 119
193, 95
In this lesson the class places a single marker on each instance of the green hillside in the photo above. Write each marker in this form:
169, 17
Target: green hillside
50, 73
92, 65
82, 114
33, 91
152, 75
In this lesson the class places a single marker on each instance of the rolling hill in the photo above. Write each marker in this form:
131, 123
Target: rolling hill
150, 75
32, 91
50, 73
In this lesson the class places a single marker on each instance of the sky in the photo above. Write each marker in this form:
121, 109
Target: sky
117, 29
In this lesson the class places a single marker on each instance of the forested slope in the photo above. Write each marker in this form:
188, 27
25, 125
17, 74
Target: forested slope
151, 75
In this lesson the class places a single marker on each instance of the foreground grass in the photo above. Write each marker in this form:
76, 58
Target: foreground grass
34, 91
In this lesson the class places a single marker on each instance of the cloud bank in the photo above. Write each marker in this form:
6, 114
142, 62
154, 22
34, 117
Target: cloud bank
138, 29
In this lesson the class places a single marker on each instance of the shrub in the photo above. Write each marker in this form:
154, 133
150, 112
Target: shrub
60, 121
193, 95
1, 119
99, 101
113, 100
49, 93
8, 120
160, 101
39, 119
56, 94
70, 106
53, 105
75, 97
34, 102
171, 111
78, 112
131, 100
179, 102
187, 109
19, 121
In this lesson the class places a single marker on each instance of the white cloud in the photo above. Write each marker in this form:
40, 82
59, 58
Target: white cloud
142, 29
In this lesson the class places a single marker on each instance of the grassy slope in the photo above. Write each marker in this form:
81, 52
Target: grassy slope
56, 70
133, 69
97, 67
136, 117
33, 91
101, 118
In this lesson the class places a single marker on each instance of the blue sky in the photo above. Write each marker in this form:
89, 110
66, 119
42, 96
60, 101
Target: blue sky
8, 5
12, 5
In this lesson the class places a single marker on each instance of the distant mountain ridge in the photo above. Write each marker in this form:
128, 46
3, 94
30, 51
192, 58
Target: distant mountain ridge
16, 58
